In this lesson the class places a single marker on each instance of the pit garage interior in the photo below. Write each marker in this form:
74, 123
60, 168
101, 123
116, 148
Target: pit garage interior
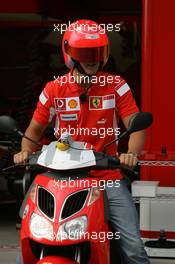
30, 50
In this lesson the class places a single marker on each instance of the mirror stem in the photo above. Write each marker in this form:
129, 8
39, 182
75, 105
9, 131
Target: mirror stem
117, 139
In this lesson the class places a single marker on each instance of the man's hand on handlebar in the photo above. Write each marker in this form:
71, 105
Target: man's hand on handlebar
22, 157
128, 159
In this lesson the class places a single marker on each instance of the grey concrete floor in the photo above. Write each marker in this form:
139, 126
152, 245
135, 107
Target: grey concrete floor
9, 237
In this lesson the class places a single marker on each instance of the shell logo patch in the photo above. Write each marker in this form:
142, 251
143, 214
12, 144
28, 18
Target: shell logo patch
72, 103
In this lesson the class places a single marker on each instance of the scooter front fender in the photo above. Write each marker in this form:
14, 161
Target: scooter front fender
56, 260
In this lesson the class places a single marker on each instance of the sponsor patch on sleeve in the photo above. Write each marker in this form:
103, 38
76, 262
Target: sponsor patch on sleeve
123, 89
43, 97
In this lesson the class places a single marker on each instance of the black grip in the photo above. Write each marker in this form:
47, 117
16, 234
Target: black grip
105, 162
113, 162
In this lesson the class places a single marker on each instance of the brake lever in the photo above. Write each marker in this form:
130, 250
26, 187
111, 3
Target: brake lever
12, 167
16, 166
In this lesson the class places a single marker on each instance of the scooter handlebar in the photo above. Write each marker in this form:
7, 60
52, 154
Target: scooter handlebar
104, 161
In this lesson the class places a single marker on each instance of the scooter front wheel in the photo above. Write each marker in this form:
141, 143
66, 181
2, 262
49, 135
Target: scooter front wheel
56, 260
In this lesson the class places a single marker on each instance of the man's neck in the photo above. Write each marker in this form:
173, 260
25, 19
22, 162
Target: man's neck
83, 80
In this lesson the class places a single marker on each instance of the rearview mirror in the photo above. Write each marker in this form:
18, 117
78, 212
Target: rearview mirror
7, 124
140, 121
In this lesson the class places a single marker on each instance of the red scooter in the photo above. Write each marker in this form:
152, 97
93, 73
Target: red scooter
64, 214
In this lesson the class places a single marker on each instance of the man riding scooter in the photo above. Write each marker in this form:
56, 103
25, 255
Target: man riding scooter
83, 103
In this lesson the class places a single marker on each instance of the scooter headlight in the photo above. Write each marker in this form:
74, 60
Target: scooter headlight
73, 229
40, 227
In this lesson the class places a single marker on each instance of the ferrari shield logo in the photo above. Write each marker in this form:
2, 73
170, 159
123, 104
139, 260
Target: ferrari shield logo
96, 102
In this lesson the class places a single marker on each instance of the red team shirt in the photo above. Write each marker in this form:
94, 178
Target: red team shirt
94, 121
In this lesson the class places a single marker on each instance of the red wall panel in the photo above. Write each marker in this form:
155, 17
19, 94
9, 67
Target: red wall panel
158, 89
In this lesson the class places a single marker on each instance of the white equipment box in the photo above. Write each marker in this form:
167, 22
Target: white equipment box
157, 215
